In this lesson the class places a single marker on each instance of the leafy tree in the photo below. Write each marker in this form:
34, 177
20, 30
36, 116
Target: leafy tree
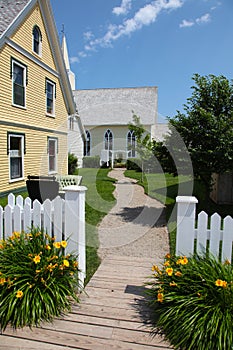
206, 126
143, 141
72, 163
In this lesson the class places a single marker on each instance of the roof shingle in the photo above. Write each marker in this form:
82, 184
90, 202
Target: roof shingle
9, 10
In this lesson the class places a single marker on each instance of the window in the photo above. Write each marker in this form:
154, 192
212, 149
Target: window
19, 83
71, 123
50, 90
108, 140
87, 144
16, 156
52, 154
36, 40
131, 144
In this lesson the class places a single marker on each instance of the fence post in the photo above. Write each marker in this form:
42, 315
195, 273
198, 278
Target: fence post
75, 224
186, 212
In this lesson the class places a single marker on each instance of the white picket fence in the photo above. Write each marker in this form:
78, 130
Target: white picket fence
60, 218
217, 236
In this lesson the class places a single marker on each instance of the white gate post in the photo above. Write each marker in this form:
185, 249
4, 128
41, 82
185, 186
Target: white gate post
186, 212
75, 224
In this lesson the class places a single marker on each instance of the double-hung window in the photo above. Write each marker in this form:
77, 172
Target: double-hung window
18, 83
16, 156
50, 97
52, 154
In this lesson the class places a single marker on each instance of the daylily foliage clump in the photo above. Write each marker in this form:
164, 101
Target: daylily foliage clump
192, 302
37, 279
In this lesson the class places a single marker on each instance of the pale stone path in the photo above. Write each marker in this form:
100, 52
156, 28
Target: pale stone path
113, 314
136, 225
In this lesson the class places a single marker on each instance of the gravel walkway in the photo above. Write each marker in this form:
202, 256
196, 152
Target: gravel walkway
136, 225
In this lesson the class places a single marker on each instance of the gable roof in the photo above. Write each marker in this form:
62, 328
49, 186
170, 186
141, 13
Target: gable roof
116, 106
9, 10
13, 13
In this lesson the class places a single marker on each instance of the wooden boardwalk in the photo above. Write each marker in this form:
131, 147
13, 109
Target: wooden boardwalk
111, 316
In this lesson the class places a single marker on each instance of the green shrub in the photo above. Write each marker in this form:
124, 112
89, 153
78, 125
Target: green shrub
91, 162
192, 302
133, 164
37, 281
72, 163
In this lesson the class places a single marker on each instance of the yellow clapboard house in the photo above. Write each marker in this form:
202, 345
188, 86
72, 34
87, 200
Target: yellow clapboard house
35, 94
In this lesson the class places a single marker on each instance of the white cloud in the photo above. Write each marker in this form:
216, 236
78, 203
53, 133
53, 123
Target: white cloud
143, 17
82, 54
88, 35
74, 59
203, 19
123, 9
200, 20
186, 23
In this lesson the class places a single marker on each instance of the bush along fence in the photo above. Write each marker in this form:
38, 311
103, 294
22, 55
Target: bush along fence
60, 218
216, 238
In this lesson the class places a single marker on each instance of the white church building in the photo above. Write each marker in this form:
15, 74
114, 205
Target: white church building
100, 126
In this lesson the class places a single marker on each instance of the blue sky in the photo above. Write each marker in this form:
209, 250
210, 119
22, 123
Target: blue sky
133, 43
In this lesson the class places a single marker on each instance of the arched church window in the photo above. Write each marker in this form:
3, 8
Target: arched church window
108, 140
37, 40
87, 144
131, 144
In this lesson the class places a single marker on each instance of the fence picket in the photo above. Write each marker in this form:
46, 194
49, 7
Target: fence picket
58, 218
11, 200
47, 205
1, 222
19, 201
227, 239
17, 215
28, 201
8, 224
37, 209
202, 232
27, 216
215, 227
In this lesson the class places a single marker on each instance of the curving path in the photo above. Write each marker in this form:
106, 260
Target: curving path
136, 225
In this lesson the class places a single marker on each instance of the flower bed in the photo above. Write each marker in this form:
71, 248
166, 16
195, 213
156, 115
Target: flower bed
37, 280
192, 302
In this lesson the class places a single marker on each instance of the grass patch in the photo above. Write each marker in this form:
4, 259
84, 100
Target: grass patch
99, 201
166, 187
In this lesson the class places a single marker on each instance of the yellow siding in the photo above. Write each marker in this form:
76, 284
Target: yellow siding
36, 157
23, 36
35, 112
34, 115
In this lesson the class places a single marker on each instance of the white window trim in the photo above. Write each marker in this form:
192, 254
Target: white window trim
9, 160
108, 143
54, 99
40, 45
127, 148
24, 81
50, 172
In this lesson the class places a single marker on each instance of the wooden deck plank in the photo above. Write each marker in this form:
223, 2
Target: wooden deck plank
11, 343
77, 341
109, 315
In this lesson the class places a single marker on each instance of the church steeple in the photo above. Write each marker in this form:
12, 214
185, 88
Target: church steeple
64, 50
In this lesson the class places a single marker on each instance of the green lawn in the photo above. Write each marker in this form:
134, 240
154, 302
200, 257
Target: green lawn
166, 187
99, 201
